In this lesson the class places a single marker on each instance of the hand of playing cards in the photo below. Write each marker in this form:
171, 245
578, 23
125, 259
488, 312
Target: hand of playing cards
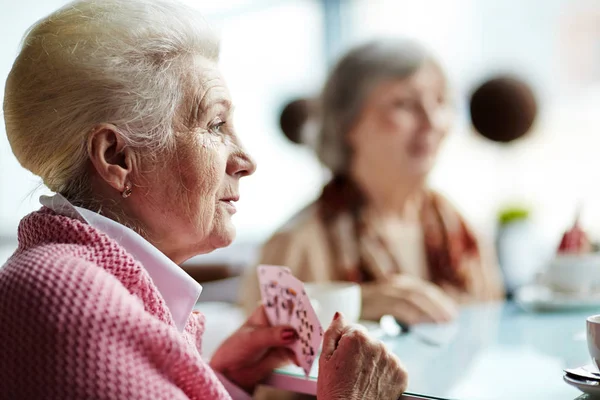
286, 303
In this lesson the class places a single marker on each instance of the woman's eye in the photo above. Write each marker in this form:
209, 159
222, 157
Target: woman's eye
216, 127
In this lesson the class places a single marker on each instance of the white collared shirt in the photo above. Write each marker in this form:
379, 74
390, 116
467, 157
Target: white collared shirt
179, 290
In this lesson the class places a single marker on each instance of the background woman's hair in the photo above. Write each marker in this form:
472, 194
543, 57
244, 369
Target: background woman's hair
123, 62
351, 82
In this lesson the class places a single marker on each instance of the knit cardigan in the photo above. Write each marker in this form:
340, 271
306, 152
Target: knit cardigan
81, 319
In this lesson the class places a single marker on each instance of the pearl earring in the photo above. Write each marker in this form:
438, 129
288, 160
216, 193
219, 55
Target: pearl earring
127, 192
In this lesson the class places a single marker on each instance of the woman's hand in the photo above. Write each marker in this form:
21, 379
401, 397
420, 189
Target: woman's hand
354, 366
252, 352
409, 299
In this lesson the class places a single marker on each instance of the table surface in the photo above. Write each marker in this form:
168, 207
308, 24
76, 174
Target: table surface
494, 351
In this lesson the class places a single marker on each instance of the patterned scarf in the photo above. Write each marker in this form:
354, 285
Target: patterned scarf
363, 254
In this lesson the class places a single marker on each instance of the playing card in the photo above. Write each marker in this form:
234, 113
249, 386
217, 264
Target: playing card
271, 280
286, 303
309, 330
291, 289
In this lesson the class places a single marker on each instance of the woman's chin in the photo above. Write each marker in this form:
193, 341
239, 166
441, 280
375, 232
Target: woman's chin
223, 237
422, 166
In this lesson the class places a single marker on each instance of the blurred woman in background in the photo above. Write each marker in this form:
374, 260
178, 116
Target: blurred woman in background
385, 110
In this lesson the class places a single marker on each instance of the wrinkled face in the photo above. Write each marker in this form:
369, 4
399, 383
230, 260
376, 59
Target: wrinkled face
191, 193
402, 124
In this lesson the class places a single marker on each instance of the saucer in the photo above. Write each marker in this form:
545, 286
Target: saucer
541, 298
586, 386
586, 372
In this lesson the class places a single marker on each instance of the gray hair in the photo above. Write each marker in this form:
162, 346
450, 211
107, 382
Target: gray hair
123, 62
351, 82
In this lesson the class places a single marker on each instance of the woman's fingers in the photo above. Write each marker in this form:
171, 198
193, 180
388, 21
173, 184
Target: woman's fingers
446, 303
275, 358
358, 366
420, 301
333, 335
430, 306
408, 313
264, 335
412, 309
353, 340
410, 300
272, 336
258, 317
396, 374
247, 377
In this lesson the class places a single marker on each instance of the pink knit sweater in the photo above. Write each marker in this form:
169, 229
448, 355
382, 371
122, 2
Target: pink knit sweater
81, 319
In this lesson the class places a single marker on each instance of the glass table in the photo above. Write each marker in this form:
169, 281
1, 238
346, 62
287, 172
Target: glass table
494, 351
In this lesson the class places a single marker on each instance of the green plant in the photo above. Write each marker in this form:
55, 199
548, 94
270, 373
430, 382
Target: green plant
512, 214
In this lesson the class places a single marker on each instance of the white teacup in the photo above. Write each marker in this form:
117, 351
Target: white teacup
328, 298
593, 338
574, 273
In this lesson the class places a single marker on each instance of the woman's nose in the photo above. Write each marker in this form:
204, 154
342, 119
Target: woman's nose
434, 116
427, 117
241, 164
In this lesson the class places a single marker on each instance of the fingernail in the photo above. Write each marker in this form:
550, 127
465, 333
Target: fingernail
288, 335
336, 316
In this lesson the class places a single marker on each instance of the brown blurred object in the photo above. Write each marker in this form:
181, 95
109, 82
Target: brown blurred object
293, 117
503, 109
203, 273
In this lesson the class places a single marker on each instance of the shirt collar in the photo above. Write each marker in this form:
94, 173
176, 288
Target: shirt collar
177, 288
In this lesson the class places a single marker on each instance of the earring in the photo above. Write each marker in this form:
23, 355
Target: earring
127, 192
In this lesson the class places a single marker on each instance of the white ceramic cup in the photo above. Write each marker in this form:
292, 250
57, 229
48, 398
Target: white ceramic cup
576, 273
328, 298
593, 338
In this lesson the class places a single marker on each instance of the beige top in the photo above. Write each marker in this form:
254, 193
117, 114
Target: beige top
302, 246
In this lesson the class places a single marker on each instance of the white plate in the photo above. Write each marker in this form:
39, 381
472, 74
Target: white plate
542, 298
588, 388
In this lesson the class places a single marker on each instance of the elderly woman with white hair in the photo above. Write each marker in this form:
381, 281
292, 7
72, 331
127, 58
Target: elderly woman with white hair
118, 105
384, 112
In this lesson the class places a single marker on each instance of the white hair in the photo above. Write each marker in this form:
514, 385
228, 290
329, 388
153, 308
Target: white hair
351, 82
123, 62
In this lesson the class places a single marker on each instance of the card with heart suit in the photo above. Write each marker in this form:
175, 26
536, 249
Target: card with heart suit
309, 330
286, 303
271, 281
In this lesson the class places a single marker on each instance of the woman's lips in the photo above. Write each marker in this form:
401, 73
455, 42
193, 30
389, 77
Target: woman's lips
229, 205
421, 149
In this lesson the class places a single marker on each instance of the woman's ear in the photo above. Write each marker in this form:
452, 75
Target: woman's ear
112, 159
